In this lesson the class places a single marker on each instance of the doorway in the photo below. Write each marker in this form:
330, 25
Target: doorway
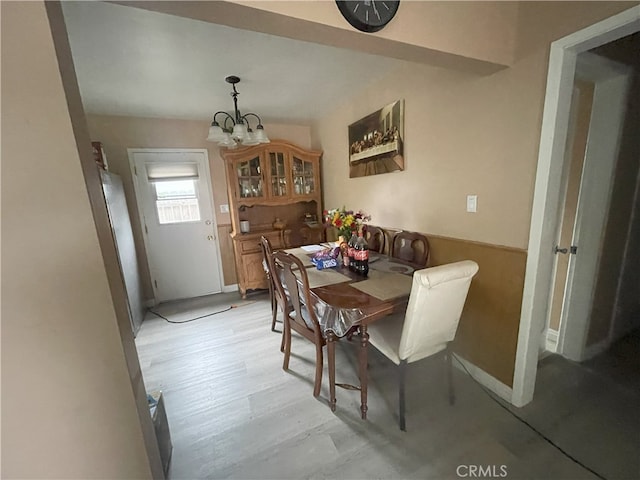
545, 212
597, 116
174, 198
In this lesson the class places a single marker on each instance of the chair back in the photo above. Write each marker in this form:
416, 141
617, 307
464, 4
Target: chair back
438, 295
411, 246
267, 251
269, 266
375, 238
290, 270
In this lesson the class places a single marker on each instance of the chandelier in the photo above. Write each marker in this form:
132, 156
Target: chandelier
236, 129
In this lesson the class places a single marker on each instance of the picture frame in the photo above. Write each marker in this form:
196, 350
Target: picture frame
376, 142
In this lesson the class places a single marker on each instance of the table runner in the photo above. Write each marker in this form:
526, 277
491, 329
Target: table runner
385, 286
321, 278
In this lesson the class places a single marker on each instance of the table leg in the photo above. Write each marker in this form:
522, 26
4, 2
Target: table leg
364, 342
331, 353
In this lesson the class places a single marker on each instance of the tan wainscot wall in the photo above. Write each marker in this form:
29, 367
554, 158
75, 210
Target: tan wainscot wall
488, 331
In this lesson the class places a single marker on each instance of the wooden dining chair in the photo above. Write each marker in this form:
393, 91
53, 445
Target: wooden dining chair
375, 238
276, 292
301, 317
411, 246
429, 325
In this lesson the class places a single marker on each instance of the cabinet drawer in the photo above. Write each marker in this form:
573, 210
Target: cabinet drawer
250, 245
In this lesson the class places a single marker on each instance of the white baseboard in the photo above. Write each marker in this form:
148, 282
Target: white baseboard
490, 382
150, 303
551, 340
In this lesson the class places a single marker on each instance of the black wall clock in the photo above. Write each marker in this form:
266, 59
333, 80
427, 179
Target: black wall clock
368, 15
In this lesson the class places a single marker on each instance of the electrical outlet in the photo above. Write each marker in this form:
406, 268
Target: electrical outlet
224, 208
472, 203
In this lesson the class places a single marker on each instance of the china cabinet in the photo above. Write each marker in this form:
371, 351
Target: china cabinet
271, 185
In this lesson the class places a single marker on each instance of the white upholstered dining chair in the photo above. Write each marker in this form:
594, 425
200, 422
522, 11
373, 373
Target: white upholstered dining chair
438, 295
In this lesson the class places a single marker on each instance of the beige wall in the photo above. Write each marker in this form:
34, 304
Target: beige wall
68, 407
119, 133
464, 134
473, 35
480, 30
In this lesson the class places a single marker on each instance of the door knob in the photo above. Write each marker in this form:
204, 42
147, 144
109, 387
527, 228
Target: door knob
210, 237
207, 222
557, 250
573, 250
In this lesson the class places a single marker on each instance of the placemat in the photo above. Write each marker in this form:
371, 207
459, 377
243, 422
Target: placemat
385, 286
302, 255
312, 248
327, 276
388, 265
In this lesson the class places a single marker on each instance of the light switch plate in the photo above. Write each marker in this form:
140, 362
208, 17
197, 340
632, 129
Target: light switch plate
224, 208
472, 203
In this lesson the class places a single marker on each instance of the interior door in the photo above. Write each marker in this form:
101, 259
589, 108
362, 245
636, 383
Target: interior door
174, 197
607, 114
578, 132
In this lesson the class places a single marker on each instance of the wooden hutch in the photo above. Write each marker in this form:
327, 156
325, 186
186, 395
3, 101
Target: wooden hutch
269, 182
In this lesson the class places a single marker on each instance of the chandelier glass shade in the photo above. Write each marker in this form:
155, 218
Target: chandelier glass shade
235, 129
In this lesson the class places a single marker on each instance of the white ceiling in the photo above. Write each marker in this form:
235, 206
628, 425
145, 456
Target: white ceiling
134, 62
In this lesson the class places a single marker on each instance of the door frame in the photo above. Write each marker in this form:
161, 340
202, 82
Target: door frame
611, 81
139, 205
545, 211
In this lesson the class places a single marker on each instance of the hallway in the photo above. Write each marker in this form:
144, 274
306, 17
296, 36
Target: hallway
592, 410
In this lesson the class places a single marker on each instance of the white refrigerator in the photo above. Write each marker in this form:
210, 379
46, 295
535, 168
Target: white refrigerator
125, 246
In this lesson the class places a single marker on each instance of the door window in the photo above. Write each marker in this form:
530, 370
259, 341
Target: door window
176, 201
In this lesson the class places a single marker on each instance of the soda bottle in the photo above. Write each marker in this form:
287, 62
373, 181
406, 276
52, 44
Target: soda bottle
351, 250
361, 255
344, 250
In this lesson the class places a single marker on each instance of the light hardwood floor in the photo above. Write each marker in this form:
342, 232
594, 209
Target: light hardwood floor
234, 413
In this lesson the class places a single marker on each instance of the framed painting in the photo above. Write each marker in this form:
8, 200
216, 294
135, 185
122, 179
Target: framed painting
376, 142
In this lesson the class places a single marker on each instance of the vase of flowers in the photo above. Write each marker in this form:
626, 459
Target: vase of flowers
345, 221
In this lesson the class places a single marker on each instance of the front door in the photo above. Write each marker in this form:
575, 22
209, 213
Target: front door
173, 190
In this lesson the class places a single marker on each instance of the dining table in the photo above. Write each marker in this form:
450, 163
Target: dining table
346, 302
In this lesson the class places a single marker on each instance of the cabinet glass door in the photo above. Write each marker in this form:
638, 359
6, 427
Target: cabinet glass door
250, 178
303, 178
278, 174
